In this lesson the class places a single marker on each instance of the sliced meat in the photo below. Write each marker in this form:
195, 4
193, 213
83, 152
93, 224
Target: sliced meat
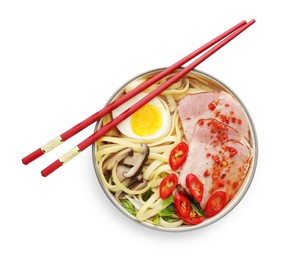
219, 156
221, 106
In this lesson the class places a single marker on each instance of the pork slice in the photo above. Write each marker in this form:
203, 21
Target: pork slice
219, 156
221, 106
191, 107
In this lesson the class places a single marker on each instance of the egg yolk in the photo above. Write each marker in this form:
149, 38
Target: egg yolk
146, 121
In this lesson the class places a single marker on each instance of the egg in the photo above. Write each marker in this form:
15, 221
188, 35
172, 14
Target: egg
149, 122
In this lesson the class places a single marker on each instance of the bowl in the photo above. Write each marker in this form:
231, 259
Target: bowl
209, 83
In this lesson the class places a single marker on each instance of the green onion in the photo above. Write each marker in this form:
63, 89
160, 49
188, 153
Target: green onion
168, 201
167, 212
147, 195
198, 209
129, 207
156, 220
170, 219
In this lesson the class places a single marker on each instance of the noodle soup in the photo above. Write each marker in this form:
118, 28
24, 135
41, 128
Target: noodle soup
182, 161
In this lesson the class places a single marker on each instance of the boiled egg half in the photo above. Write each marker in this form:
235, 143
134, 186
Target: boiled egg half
149, 122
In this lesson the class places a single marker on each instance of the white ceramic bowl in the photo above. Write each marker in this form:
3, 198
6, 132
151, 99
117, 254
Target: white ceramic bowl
240, 193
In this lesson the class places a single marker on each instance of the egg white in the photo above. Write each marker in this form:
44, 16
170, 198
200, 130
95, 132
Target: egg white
125, 126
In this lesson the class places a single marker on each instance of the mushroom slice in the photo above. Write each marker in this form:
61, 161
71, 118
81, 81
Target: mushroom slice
130, 161
116, 158
135, 179
122, 196
137, 161
138, 177
137, 185
121, 170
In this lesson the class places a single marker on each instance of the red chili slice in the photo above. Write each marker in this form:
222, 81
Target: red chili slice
178, 156
168, 185
193, 219
216, 203
182, 204
195, 186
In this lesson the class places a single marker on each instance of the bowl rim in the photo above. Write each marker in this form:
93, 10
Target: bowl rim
230, 206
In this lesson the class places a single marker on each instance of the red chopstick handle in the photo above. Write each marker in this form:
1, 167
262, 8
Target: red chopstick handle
44, 149
113, 105
33, 156
103, 130
51, 168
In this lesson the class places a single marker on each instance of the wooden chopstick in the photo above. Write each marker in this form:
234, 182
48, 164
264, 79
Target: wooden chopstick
102, 131
90, 120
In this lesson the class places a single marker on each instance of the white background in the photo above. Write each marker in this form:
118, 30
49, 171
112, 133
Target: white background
59, 63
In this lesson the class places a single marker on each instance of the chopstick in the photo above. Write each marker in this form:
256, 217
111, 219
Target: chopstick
93, 118
102, 131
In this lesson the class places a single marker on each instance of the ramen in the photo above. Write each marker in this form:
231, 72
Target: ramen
180, 160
